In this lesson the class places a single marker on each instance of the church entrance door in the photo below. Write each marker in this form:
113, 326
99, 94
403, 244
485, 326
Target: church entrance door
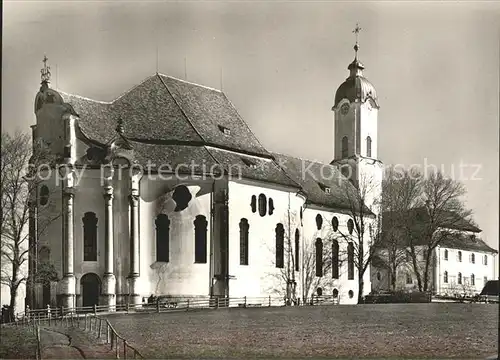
91, 289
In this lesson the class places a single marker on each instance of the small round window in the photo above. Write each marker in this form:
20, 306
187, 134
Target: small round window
351, 294
44, 195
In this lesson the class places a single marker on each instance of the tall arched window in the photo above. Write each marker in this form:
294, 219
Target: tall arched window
459, 256
271, 206
319, 257
485, 259
335, 223
89, 237
335, 259
297, 247
460, 278
368, 146
319, 221
280, 246
445, 277
44, 195
244, 241
162, 238
446, 254
200, 239
472, 280
473, 258
350, 261
350, 226
345, 147
262, 205
253, 203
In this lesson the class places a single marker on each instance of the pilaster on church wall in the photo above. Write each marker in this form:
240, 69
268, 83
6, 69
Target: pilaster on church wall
181, 276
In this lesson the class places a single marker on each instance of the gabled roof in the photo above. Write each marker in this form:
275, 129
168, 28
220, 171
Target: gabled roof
163, 108
323, 184
466, 242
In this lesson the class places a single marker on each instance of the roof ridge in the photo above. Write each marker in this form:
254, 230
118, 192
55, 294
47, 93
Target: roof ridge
83, 97
133, 88
190, 82
181, 109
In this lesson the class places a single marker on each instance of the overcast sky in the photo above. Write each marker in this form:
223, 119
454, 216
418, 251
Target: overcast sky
435, 67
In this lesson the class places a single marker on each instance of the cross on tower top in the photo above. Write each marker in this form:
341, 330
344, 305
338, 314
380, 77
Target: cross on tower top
356, 31
45, 71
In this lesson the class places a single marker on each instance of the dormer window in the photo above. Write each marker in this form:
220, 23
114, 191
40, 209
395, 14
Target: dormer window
251, 164
325, 188
224, 130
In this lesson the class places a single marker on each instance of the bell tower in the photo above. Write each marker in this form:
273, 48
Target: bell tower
355, 111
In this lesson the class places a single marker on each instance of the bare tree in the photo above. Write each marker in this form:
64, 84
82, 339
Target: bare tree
433, 223
364, 235
19, 186
401, 191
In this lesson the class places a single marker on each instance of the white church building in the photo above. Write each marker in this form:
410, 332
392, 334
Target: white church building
167, 191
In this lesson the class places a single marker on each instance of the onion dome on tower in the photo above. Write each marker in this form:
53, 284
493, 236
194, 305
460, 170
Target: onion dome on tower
356, 86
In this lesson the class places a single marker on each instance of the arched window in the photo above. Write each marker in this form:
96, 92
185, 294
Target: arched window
459, 278
162, 238
301, 215
472, 280
485, 259
253, 203
409, 280
446, 254
200, 239
297, 247
368, 146
44, 195
280, 246
350, 226
262, 205
335, 293
271, 206
445, 277
379, 276
459, 256
350, 261
182, 197
319, 257
319, 221
335, 259
335, 223
244, 241
345, 147
89, 237
319, 291
351, 294
473, 258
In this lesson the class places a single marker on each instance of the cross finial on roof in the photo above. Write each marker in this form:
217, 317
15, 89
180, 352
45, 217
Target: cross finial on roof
356, 31
45, 71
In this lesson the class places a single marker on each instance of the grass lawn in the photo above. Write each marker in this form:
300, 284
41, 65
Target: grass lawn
436, 330
17, 343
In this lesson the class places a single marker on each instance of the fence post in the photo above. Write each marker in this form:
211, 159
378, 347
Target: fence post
157, 305
187, 309
90, 324
108, 340
245, 305
269, 300
124, 349
85, 327
116, 346
100, 328
128, 307
95, 309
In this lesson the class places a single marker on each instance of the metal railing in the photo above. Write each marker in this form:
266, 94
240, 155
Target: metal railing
89, 318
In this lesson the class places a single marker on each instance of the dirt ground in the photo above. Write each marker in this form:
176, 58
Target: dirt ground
436, 330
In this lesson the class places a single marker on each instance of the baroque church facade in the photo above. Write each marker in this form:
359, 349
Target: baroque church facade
166, 191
